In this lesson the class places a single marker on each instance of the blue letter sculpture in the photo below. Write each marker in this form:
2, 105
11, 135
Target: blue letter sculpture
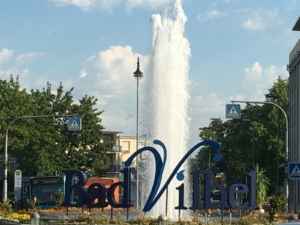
228, 199
155, 194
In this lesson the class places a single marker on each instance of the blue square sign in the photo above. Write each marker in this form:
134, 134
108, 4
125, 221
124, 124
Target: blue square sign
73, 123
233, 111
294, 170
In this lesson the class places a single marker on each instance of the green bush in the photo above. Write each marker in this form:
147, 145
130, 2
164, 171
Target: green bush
6, 207
262, 186
276, 204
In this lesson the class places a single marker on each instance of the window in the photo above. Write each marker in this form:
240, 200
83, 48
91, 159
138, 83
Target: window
125, 146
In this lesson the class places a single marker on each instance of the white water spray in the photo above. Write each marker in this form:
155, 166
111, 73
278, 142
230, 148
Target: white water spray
167, 96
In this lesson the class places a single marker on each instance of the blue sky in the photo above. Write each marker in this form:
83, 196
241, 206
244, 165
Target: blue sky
238, 49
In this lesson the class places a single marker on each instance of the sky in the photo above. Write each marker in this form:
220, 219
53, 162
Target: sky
238, 49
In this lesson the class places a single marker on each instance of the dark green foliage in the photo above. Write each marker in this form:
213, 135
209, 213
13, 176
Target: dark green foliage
43, 146
5, 207
262, 186
258, 138
276, 204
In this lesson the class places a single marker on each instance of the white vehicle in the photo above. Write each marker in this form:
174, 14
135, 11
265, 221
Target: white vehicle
290, 223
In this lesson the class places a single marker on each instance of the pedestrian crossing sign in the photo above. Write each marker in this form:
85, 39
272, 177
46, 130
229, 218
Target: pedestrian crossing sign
74, 123
233, 111
294, 170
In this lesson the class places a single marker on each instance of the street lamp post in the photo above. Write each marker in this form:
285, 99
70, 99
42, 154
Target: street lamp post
269, 102
138, 74
5, 182
5, 167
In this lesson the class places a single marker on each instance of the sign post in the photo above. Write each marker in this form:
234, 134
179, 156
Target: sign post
18, 185
73, 123
294, 170
233, 111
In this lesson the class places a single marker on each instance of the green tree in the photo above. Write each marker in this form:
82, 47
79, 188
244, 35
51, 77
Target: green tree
13, 101
258, 138
43, 146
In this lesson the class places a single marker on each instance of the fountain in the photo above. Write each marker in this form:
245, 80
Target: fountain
167, 97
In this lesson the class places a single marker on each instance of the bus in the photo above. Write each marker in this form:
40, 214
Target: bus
42, 192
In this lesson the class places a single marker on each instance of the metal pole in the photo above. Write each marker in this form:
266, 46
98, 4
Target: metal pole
137, 74
5, 167
287, 160
137, 141
286, 136
167, 201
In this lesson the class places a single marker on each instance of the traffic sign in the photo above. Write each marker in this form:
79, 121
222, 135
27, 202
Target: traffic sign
73, 123
233, 111
18, 178
294, 170
18, 185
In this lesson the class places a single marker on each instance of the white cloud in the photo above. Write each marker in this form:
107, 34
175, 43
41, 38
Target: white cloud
111, 70
258, 79
207, 106
14, 59
261, 19
6, 55
204, 107
83, 73
90, 4
108, 75
211, 15
214, 13
254, 24
252, 19
25, 58
148, 3
83, 4
13, 63
253, 73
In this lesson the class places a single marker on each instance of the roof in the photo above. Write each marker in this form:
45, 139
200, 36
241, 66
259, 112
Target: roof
110, 132
128, 136
297, 25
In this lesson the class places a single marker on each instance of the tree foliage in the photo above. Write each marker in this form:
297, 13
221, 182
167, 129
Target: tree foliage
262, 184
43, 146
258, 138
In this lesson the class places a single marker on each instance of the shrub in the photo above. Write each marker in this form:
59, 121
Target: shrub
262, 186
276, 204
6, 207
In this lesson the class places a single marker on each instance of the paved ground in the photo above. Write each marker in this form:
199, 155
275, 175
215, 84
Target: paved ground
68, 216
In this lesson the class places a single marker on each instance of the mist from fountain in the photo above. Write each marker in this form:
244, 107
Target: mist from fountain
167, 97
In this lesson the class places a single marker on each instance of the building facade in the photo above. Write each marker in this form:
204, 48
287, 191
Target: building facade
128, 146
111, 146
294, 123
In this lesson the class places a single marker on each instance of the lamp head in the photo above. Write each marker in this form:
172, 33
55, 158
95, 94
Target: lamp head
138, 73
269, 97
